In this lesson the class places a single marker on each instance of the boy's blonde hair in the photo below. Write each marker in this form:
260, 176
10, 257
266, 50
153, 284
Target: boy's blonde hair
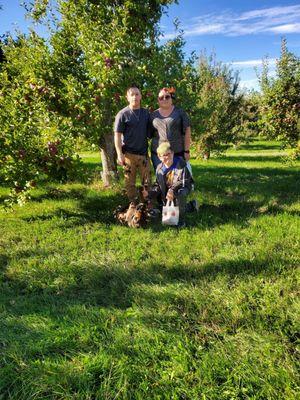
163, 148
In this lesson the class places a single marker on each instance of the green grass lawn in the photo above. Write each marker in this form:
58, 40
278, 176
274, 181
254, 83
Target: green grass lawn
92, 310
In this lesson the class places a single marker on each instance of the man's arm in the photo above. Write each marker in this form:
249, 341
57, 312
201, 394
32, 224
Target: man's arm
150, 128
118, 146
187, 143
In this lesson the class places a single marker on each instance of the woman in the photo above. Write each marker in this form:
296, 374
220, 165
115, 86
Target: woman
172, 124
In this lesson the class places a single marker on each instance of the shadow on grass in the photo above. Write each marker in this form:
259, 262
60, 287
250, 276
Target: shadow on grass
55, 322
267, 182
92, 207
254, 145
237, 213
87, 315
235, 194
4, 261
241, 193
259, 159
113, 285
54, 193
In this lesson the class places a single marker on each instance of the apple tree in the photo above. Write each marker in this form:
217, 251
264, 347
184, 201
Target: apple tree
34, 141
98, 50
281, 100
217, 105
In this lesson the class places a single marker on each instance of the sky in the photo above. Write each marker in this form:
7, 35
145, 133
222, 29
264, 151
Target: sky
239, 32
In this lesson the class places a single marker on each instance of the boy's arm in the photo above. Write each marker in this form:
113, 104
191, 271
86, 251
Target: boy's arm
185, 180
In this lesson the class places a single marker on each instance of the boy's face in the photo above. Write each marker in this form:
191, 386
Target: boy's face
134, 97
167, 158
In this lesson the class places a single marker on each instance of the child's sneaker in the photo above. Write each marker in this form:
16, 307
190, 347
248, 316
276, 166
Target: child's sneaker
154, 212
181, 225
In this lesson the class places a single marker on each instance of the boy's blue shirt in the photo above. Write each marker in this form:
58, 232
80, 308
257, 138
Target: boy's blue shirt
165, 169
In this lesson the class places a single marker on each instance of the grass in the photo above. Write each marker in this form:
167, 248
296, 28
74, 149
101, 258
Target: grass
92, 310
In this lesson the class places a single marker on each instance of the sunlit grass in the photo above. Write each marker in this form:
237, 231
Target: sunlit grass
93, 310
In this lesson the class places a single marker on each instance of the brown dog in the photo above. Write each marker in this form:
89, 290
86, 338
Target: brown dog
134, 215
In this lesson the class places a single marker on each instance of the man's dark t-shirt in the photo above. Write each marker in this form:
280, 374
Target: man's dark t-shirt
134, 125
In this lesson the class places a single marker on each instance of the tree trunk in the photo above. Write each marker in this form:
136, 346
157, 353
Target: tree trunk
203, 151
108, 157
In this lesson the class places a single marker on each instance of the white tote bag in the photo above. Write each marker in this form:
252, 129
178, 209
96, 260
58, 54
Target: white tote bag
170, 214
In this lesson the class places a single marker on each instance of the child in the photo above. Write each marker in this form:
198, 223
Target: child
173, 181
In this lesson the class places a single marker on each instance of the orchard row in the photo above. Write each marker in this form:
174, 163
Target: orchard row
71, 85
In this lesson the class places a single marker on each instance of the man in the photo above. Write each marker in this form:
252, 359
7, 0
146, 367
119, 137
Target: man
131, 142
174, 181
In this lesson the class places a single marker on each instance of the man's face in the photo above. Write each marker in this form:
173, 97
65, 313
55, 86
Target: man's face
134, 97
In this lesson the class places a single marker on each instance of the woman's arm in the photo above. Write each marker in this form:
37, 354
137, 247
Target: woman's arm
187, 143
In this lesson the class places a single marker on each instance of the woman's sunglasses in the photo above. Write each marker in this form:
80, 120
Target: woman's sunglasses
166, 97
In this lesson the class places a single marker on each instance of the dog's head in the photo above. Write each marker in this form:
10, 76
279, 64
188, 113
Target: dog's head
138, 216
134, 215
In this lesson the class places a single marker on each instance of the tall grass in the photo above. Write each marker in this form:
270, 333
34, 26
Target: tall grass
93, 310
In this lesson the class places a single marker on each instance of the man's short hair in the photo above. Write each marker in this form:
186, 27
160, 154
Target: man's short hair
164, 148
132, 87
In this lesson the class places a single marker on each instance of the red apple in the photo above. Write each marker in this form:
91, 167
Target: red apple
22, 154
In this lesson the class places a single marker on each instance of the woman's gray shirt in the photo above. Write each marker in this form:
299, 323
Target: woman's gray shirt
171, 128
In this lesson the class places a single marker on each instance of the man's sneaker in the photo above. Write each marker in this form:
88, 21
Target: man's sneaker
195, 205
